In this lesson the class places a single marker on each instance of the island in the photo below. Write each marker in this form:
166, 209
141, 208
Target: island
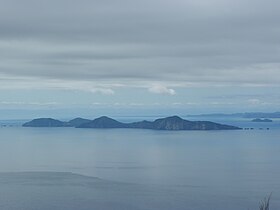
45, 122
261, 120
50, 122
77, 122
168, 123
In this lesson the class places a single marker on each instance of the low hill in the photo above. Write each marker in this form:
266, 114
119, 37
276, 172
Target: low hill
177, 123
103, 122
78, 121
44, 122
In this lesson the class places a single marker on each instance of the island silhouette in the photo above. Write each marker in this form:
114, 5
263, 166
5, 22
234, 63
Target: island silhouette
167, 123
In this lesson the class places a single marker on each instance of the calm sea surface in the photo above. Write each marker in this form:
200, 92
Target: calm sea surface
68, 168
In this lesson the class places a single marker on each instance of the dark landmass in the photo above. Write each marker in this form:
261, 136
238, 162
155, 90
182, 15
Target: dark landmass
49, 122
77, 122
45, 122
168, 123
261, 120
103, 122
192, 125
177, 123
242, 115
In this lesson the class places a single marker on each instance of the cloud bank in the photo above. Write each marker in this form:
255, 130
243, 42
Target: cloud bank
139, 43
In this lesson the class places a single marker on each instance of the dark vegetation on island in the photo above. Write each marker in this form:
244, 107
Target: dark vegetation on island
77, 122
45, 122
168, 123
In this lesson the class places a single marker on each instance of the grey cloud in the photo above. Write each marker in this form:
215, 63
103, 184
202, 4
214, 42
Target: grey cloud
203, 42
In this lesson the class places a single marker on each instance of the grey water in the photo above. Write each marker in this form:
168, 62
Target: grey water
68, 168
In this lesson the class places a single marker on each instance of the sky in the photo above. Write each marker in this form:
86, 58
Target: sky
66, 58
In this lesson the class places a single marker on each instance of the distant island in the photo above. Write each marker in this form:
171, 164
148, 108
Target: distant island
261, 120
49, 122
168, 123
241, 115
45, 122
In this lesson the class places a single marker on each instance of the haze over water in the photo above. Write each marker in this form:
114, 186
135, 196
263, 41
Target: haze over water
138, 169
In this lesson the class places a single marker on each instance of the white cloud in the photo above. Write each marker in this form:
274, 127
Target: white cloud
105, 91
254, 101
177, 103
32, 83
160, 89
99, 104
258, 102
135, 104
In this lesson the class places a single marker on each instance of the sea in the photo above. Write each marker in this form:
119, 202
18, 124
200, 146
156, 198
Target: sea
137, 169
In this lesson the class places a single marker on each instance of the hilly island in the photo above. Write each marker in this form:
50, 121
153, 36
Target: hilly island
168, 123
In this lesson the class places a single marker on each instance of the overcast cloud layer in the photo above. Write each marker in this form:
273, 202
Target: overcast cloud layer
140, 43
149, 57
